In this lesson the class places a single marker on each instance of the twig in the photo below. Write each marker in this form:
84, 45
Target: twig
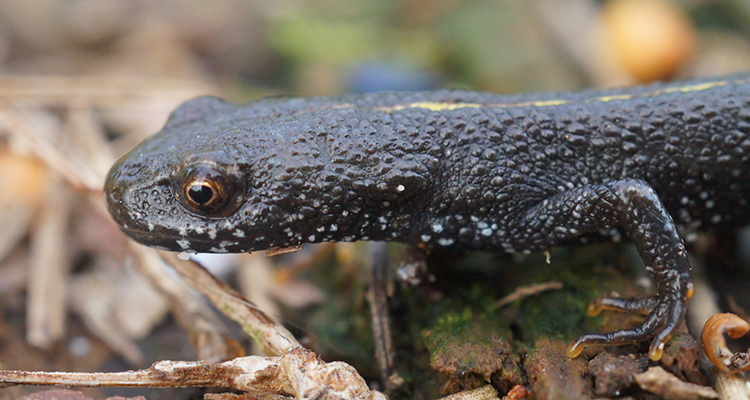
486, 392
377, 296
660, 382
731, 386
274, 339
80, 177
101, 91
300, 374
527, 291
206, 332
49, 265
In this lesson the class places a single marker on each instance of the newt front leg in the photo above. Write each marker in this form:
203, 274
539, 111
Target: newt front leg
633, 205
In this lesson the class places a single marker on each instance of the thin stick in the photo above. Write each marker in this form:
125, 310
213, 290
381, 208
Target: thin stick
273, 338
528, 291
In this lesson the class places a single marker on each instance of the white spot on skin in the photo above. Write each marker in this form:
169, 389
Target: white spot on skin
311, 238
320, 228
239, 233
219, 250
150, 227
445, 242
487, 232
184, 244
716, 219
400, 188
199, 230
212, 233
437, 227
183, 232
426, 238
334, 227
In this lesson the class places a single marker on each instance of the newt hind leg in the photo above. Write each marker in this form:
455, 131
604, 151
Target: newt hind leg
633, 205
663, 317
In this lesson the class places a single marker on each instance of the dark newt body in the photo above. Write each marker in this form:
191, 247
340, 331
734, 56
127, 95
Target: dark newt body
452, 169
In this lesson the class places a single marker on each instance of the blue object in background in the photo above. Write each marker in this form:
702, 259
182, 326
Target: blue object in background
380, 76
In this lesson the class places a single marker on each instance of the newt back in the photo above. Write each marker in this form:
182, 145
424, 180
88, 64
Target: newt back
453, 169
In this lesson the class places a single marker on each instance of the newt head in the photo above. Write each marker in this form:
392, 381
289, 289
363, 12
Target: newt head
270, 174
214, 179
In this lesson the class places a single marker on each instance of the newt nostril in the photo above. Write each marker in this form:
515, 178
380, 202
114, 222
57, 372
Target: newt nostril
115, 194
113, 191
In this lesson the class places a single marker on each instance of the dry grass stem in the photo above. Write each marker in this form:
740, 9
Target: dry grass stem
486, 392
15, 220
299, 374
527, 291
273, 338
101, 91
88, 298
49, 265
731, 386
660, 382
206, 332
76, 174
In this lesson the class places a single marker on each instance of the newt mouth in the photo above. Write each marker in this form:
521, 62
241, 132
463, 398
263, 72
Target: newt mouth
165, 240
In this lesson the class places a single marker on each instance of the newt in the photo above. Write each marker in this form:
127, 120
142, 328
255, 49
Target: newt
454, 169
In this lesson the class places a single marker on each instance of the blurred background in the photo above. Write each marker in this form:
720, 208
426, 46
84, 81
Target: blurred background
83, 81
323, 47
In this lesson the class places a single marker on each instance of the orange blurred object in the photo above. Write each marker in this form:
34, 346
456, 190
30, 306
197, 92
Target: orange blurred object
715, 346
650, 38
23, 179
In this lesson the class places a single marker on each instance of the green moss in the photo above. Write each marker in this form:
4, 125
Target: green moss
451, 334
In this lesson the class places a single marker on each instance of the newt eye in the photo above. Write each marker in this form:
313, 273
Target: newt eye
209, 190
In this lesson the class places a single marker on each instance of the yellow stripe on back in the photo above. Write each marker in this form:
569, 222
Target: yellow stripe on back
442, 106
